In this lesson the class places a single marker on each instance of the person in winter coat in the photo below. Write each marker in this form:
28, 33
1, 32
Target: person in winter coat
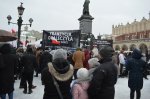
45, 58
38, 56
81, 84
121, 62
69, 57
135, 66
95, 51
78, 58
62, 72
87, 57
93, 64
104, 77
7, 71
19, 53
28, 61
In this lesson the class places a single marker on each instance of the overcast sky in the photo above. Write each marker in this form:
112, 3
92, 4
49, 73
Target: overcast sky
64, 14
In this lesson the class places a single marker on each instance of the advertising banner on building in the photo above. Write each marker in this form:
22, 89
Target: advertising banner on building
67, 38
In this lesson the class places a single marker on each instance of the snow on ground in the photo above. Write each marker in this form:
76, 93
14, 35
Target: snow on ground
37, 92
122, 90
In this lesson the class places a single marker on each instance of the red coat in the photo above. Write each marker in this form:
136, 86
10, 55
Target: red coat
87, 57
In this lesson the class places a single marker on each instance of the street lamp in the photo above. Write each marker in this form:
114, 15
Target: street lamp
19, 22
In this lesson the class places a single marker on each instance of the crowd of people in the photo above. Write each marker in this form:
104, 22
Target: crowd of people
82, 74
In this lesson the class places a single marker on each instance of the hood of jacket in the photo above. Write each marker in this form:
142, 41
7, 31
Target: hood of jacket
5, 48
61, 76
136, 54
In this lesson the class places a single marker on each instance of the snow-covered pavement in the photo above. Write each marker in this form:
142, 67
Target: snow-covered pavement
122, 90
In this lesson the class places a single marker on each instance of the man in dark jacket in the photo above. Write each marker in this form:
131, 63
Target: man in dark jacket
104, 77
44, 59
7, 71
28, 61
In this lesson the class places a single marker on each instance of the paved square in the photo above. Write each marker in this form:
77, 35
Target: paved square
122, 90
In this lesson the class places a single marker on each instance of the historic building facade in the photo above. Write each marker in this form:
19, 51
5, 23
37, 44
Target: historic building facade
132, 35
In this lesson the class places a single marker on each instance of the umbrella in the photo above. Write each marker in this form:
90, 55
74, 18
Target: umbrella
6, 36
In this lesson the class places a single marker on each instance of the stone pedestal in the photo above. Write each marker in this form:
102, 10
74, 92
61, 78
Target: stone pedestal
85, 27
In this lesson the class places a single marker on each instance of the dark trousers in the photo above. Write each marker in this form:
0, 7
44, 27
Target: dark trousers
37, 71
10, 95
121, 69
138, 94
21, 83
36, 75
27, 77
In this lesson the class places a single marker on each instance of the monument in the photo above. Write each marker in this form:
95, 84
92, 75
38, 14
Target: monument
85, 22
86, 7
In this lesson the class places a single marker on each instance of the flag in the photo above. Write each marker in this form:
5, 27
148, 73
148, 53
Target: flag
54, 41
13, 31
26, 42
21, 42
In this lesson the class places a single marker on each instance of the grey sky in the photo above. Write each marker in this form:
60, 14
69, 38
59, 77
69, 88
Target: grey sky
64, 14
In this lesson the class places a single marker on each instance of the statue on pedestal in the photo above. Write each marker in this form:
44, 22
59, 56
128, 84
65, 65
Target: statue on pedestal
86, 7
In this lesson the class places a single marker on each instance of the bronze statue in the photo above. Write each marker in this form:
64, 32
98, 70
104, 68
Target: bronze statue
86, 7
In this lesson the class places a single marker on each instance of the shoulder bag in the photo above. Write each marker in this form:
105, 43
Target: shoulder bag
57, 87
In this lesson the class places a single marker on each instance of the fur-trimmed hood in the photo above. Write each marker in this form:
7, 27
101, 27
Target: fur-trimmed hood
61, 77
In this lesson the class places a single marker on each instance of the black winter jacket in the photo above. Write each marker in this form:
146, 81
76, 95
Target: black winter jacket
7, 73
63, 80
28, 62
103, 81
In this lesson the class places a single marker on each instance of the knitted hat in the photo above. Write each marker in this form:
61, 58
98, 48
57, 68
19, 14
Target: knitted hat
60, 53
82, 73
60, 63
106, 51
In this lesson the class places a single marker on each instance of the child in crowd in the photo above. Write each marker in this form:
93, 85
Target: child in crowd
80, 85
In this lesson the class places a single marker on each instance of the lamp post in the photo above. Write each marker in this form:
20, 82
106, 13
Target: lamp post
19, 22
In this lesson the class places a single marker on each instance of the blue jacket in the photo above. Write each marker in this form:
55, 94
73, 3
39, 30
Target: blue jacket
135, 66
